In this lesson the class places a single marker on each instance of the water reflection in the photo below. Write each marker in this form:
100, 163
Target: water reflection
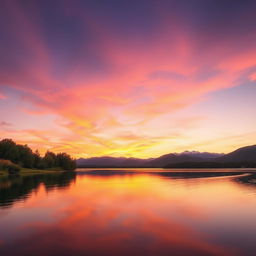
134, 214
248, 180
15, 188
246, 177
184, 174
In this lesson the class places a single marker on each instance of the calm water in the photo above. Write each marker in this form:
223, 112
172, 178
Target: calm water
109, 212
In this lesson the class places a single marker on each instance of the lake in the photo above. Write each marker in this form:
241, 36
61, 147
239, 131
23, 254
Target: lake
129, 212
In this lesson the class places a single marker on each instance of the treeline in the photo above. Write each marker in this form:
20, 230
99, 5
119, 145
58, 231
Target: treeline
23, 156
192, 165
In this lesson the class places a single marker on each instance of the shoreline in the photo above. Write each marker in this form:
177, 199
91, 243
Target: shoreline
30, 172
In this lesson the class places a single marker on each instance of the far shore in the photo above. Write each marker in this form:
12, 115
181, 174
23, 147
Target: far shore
153, 169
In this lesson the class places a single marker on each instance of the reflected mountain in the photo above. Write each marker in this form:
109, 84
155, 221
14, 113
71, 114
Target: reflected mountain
16, 188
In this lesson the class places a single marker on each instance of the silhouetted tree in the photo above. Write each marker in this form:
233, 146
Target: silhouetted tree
9, 150
65, 161
37, 159
50, 159
25, 157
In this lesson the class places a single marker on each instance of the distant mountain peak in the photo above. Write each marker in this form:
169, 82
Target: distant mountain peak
244, 154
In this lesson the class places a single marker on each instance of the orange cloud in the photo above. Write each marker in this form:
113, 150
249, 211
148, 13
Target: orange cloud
135, 80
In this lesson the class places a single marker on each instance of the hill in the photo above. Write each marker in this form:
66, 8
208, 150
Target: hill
242, 157
107, 161
244, 154
161, 161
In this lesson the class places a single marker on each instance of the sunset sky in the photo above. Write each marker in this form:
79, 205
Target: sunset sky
128, 78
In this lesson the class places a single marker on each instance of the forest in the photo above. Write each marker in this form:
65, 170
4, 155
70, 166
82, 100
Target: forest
14, 156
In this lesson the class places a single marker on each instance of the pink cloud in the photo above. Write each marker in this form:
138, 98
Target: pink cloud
125, 93
253, 77
2, 97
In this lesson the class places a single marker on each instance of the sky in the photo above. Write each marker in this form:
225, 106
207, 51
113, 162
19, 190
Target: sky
128, 78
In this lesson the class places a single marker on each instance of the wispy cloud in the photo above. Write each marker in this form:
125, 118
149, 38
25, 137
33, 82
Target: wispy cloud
4, 124
104, 75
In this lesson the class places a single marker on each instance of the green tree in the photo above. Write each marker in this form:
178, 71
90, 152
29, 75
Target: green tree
50, 159
9, 150
26, 156
65, 161
37, 159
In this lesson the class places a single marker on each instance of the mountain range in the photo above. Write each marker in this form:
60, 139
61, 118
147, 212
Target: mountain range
245, 156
